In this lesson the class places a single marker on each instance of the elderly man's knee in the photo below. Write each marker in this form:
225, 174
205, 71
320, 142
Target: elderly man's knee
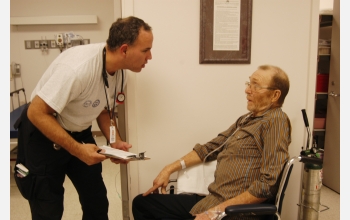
138, 201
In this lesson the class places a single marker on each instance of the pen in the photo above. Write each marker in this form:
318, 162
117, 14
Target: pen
98, 151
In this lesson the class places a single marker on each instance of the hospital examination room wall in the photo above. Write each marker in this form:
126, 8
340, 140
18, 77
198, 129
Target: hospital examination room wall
175, 102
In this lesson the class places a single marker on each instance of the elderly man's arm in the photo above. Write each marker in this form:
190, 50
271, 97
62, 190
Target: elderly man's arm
162, 180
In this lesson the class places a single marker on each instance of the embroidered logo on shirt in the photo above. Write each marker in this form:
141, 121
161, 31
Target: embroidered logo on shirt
96, 103
87, 103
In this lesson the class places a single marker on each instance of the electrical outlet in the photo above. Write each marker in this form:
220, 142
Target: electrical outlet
43, 44
76, 43
36, 44
15, 68
28, 44
86, 41
53, 44
59, 40
18, 68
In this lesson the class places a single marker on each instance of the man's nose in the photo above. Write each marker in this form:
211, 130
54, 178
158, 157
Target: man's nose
149, 57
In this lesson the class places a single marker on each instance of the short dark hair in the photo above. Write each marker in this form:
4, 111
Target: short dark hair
125, 31
279, 81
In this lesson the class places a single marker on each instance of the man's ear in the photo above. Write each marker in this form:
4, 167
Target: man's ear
276, 95
123, 48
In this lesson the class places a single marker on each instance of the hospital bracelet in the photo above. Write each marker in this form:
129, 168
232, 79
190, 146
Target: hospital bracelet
183, 165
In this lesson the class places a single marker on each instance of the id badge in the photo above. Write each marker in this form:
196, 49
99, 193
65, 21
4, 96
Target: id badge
111, 134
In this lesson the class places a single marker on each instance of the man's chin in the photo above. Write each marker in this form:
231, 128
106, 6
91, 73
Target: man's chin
250, 108
136, 70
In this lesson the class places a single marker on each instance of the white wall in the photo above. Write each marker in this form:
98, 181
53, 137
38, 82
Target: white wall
326, 6
34, 62
175, 102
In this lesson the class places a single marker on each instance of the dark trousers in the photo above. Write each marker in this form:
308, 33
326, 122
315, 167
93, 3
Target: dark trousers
173, 207
43, 187
159, 206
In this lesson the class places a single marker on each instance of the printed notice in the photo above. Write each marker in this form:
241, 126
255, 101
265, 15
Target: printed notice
226, 33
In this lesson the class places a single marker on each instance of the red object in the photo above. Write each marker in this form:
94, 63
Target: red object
320, 123
322, 83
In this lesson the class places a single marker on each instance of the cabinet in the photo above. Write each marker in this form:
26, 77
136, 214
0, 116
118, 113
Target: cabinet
323, 66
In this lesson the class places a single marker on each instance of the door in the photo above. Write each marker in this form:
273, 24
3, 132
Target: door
331, 161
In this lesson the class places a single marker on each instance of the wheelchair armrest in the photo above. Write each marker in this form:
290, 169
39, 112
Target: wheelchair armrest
251, 209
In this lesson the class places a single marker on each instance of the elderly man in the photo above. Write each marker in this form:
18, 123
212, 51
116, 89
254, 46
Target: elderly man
250, 156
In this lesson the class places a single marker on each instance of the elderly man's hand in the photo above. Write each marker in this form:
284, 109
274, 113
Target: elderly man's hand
161, 181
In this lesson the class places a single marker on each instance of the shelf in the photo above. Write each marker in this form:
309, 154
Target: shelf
326, 20
323, 64
42, 20
321, 95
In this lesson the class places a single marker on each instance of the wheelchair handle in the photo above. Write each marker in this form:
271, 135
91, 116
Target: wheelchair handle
306, 121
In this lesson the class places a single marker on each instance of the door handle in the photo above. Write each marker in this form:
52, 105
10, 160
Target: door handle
333, 94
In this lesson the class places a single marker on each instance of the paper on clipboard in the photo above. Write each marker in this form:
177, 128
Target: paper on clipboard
120, 154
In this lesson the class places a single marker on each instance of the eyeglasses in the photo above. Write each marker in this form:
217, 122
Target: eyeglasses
255, 87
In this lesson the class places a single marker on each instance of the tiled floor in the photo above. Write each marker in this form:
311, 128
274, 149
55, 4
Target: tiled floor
20, 208
331, 199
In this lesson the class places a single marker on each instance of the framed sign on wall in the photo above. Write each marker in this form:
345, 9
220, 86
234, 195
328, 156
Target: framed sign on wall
225, 31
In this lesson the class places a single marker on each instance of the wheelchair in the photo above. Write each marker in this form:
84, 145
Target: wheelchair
15, 112
269, 211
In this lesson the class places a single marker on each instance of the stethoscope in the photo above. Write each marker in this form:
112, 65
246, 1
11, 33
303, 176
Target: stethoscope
121, 96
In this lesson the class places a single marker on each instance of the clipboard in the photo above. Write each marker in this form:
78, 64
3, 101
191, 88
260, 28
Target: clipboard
123, 155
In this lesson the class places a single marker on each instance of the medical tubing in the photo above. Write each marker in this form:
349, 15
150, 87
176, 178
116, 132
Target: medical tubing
111, 114
216, 150
239, 126
121, 89
105, 81
114, 101
220, 145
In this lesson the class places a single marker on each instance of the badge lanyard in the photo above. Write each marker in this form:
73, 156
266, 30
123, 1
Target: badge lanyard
111, 114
